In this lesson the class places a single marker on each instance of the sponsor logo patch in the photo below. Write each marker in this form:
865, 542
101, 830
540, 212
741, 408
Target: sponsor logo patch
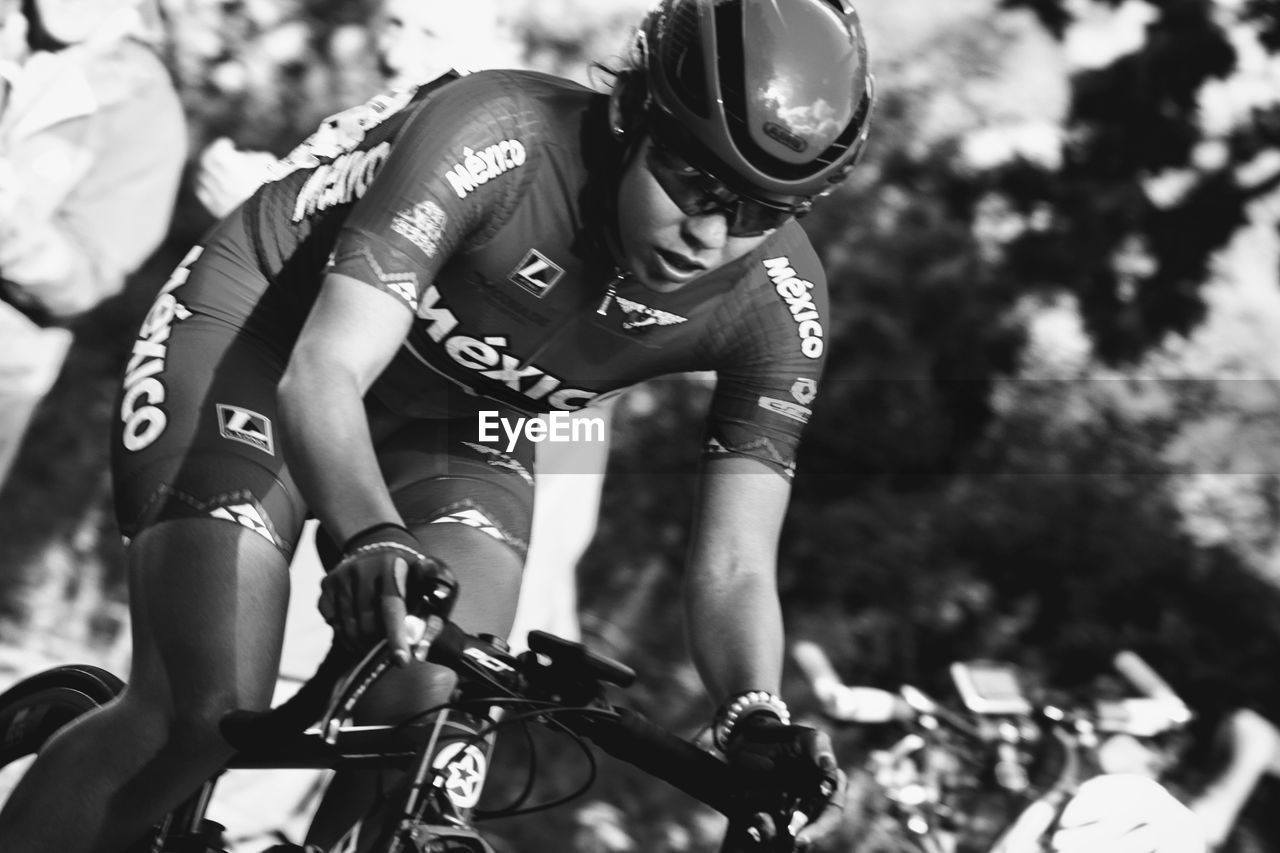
480, 167
786, 408
343, 181
805, 391
537, 273
784, 135
473, 518
405, 291
796, 292
638, 316
463, 768
246, 515
247, 427
422, 225
488, 357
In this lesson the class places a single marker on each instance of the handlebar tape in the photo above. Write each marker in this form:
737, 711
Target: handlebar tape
634, 739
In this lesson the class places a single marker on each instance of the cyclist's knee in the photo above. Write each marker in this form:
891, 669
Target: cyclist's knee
185, 727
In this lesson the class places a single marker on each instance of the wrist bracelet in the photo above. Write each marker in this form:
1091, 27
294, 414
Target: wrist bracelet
741, 706
374, 528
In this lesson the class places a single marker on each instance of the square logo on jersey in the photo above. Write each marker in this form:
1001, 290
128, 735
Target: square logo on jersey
537, 273
245, 426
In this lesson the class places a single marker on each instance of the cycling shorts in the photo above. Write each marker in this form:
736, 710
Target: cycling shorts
197, 431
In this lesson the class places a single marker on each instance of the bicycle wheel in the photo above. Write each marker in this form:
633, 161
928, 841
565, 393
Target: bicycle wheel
36, 707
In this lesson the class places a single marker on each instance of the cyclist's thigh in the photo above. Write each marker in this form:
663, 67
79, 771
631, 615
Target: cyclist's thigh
471, 507
196, 433
202, 490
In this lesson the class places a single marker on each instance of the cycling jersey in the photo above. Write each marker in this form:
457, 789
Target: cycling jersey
482, 204
485, 221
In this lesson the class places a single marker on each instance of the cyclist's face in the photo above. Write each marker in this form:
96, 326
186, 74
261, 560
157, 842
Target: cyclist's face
664, 247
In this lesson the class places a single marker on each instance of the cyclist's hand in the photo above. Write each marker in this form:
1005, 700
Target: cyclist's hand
801, 761
363, 598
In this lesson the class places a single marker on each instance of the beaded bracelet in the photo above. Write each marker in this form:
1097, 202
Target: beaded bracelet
741, 706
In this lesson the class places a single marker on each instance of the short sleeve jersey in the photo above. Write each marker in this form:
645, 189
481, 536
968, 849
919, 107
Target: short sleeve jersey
482, 205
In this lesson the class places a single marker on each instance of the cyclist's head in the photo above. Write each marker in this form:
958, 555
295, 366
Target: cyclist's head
746, 109
772, 98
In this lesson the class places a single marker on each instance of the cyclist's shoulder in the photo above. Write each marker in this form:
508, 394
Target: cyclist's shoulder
783, 303
534, 104
792, 243
786, 254
522, 83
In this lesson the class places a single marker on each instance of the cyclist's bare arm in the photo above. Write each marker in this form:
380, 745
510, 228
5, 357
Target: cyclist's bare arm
351, 335
732, 609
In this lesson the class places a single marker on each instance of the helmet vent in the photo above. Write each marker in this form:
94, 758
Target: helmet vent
683, 60
731, 40
731, 59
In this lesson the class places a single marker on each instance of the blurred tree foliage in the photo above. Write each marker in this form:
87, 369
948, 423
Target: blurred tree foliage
1137, 263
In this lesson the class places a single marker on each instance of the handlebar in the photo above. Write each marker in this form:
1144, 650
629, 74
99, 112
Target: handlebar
561, 679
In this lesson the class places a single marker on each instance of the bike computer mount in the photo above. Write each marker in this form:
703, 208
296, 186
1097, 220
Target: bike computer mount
990, 688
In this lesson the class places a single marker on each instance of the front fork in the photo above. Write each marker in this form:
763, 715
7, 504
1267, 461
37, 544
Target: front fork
439, 793
186, 829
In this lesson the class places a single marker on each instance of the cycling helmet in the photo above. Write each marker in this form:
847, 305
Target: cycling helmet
772, 97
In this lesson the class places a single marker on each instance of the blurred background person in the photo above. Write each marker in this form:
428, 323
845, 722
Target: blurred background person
92, 145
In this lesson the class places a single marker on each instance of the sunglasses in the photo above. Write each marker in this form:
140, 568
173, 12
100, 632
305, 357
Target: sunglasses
697, 193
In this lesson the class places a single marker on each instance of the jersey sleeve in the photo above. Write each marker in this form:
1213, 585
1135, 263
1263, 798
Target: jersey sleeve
453, 175
771, 358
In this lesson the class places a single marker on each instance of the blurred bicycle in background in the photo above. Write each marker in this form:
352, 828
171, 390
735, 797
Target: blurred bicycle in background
995, 771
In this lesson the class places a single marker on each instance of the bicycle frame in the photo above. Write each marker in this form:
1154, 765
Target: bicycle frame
557, 682
444, 757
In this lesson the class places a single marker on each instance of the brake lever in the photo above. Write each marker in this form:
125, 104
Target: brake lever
352, 688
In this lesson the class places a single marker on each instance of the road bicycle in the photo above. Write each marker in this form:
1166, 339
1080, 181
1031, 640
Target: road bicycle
444, 751
1002, 774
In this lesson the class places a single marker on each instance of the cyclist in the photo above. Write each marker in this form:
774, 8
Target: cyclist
509, 243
